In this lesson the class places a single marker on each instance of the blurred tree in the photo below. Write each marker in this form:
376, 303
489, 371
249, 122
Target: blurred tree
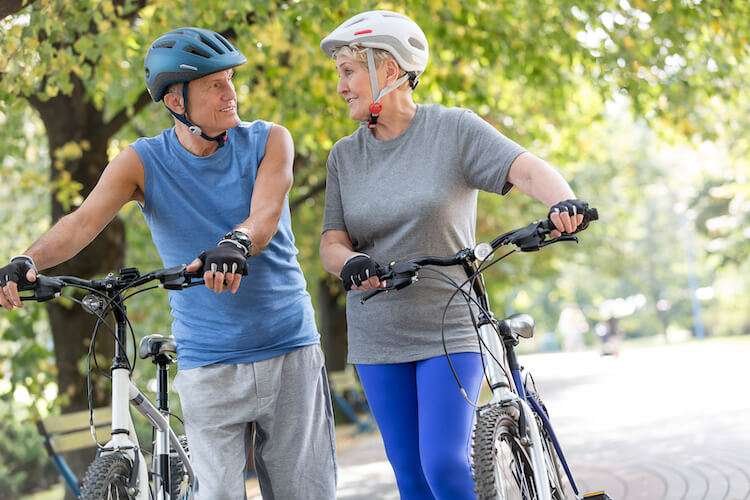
540, 70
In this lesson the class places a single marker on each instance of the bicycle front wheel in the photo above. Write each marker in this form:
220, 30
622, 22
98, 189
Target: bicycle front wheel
558, 480
560, 487
501, 467
107, 478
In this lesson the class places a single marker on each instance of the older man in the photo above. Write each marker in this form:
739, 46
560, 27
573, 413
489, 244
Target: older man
215, 187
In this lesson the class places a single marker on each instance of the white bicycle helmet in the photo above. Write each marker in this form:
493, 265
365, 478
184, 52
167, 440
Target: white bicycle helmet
390, 31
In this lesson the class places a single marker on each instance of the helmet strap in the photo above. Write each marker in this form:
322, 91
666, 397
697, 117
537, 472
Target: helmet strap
376, 107
194, 129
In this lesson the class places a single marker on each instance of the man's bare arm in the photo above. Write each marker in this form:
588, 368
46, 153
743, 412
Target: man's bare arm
272, 183
121, 182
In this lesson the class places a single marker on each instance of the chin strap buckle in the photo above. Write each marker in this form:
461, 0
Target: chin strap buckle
375, 109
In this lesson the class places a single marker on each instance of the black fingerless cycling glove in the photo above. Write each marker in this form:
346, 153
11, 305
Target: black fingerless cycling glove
359, 269
572, 207
225, 258
16, 271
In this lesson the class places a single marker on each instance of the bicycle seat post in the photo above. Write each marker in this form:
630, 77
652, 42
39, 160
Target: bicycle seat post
160, 349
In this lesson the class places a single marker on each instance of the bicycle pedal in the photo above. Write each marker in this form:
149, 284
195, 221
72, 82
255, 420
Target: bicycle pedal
596, 495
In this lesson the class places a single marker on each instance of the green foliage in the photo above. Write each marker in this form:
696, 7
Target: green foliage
25, 356
560, 77
24, 465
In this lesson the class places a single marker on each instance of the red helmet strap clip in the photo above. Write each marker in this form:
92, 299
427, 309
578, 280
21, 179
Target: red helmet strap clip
375, 109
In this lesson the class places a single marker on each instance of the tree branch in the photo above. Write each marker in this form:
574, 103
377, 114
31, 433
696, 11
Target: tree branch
123, 117
137, 6
10, 7
311, 192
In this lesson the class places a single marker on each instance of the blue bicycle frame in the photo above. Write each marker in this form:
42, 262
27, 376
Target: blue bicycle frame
537, 408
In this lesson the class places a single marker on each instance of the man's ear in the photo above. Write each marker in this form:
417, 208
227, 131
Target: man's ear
173, 100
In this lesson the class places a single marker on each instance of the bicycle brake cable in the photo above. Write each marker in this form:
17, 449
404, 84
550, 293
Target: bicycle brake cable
447, 279
467, 296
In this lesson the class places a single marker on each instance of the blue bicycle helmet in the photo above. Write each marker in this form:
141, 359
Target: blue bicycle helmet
187, 54
183, 55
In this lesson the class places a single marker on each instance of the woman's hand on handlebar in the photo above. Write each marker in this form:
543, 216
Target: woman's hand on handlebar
567, 216
370, 284
360, 272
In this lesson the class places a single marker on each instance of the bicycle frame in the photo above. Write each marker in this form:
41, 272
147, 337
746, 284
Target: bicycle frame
503, 393
123, 436
498, 354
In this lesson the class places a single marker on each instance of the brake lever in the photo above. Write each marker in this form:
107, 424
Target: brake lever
533, 246
44, 288
177, 278
400, 275
559, 239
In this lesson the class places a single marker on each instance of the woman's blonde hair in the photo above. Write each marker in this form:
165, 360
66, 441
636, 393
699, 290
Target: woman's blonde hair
359, 54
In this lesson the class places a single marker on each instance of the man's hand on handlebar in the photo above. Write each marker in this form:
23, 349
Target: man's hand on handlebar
223, 267
20, 270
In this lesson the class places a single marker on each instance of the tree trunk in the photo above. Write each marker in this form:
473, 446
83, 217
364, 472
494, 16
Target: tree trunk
74, 118
332, 315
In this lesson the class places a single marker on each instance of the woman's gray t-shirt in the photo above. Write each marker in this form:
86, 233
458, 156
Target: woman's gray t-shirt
410, 196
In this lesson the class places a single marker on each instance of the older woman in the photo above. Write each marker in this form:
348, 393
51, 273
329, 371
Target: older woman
403, 184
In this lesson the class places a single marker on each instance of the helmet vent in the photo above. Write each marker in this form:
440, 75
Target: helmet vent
397, 16
416, 43
198, 52
167, 44
356, 21
225, 43
212, 44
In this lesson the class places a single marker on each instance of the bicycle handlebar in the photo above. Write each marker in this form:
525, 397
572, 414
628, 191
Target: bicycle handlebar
528, 239
49, 287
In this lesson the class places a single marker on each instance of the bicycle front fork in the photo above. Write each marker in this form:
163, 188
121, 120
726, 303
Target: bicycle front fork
502, 394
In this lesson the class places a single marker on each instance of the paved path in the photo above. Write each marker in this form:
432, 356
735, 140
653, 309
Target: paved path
669, 422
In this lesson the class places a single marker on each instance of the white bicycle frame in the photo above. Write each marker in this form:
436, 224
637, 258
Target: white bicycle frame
125, 440
503, 395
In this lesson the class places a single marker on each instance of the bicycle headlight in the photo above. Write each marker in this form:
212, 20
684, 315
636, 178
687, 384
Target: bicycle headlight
482, 251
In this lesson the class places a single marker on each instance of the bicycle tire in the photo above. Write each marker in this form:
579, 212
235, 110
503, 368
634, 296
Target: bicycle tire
500, 465
178, 486
107, 478
560, 487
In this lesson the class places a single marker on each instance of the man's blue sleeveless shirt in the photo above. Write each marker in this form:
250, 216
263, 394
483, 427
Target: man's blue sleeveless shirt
190, 203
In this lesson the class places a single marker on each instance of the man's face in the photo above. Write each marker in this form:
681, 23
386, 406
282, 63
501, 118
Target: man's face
212, 102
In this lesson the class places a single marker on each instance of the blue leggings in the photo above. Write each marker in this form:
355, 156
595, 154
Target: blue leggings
426, 423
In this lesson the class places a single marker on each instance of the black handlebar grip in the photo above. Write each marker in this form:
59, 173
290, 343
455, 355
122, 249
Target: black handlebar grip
25, 287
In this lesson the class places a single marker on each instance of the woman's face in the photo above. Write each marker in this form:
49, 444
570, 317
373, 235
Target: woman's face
354, 86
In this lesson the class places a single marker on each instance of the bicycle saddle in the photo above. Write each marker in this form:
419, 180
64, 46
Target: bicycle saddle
153, 345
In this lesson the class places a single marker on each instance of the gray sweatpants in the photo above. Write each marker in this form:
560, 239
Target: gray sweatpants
287, 398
